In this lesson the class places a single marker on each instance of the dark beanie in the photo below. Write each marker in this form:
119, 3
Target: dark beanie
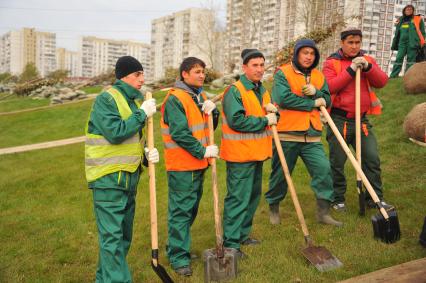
248, 54
126, 65
350, 31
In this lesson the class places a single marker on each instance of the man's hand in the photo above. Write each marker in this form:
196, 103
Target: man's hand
208, 107
323, 119
309, 90
360, 62
271, 108
152, 155
149, 107
272, 119
211, 151
320, 102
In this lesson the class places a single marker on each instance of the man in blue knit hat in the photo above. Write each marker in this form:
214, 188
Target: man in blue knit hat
298, 90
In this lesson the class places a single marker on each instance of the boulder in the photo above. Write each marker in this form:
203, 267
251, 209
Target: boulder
415, 123
217, 83
414, 79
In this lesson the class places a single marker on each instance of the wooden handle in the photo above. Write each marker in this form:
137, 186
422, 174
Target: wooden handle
217, 220
353, 160
358, 119
289, 182
151, 172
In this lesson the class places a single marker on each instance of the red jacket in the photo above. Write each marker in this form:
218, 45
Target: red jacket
343, 84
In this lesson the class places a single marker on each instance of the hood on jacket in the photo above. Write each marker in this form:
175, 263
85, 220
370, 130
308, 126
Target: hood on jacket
299, 45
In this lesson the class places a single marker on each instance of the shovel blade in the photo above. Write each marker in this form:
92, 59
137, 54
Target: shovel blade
161, 272
321, 258
220, 269
387, 231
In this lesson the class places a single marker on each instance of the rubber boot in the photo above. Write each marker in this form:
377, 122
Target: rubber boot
323, 215
274, 214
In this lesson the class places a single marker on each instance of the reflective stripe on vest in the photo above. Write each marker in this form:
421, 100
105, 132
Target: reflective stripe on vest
177, 158
246, 146
102, 157
375, 104
416, 21
294, 120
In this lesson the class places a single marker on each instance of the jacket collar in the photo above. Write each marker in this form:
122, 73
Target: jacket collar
127, 90
248, 84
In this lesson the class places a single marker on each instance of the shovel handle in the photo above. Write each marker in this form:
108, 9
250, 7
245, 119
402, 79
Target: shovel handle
353, 160
152, 191
290, 182
217, 220
358, 138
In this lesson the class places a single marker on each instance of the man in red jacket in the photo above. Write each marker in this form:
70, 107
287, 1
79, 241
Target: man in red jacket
339, 70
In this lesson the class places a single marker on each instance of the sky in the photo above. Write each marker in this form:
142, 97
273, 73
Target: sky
120, 19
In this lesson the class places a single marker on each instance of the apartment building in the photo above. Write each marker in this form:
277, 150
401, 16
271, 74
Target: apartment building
185, 33
18, 48
99, 55
68, 60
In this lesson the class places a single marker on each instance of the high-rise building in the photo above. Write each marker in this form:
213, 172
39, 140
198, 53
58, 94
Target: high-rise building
18, 48
186, 33
68, 60
99, 55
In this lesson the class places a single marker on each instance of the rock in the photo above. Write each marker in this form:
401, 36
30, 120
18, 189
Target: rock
230, 79
414, 79
217, 83
415, 123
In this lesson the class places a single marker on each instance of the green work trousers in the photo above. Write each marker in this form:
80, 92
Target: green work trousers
403, 50
370, 161
114, 212
244, 185
313, 155
185, 192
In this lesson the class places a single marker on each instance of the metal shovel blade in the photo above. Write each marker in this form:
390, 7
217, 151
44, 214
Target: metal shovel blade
161, 272
220, 269
321, 258
387, 231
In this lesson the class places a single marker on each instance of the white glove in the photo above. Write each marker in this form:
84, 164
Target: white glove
272, 119
152, 155
320, 102
149, 107
360, 62
271, 108
208, 107
309, 90
322, 118
211, 151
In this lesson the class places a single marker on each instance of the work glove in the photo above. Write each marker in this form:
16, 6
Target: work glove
149, 107
320, 102
309, 90
272, 119
211, 151
152, 155
208, 107
359, 62
323, 120
271, 108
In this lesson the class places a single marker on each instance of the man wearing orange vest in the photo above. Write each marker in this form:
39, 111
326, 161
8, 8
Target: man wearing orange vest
339, 70
299, 89
184, 130
246, 143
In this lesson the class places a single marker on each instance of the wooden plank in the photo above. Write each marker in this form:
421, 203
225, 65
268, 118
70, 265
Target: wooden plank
29, 147
408, 272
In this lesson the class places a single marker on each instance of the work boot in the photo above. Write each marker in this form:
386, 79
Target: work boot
274, 214
184, 271
339, 207
323, 214
250, 242
371, 204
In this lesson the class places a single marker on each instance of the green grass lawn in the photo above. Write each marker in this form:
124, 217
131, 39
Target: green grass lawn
14, 103
48, 232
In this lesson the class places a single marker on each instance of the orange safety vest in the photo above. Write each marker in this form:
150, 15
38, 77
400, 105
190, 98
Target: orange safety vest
177, 158
416, 21
375, 104
295, 120
246, 146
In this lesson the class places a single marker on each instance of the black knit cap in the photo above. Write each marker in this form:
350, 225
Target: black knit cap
248, 54
126, 65
350, 31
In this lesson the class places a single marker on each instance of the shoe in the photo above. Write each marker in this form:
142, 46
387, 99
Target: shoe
371, 204
194, 256
274, 214
323, 213
240, 254
250, 242
339, 207
184, 271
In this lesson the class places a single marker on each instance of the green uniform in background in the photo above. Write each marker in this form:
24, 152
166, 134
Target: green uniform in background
114, 194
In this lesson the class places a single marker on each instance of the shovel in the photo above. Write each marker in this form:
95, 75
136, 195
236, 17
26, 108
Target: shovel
320, 257
220, 264
159, 270
386, 223
361, 193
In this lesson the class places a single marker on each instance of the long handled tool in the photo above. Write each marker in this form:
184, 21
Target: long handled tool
361, 193
320, 257
159, 270
385, 223
220, 263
